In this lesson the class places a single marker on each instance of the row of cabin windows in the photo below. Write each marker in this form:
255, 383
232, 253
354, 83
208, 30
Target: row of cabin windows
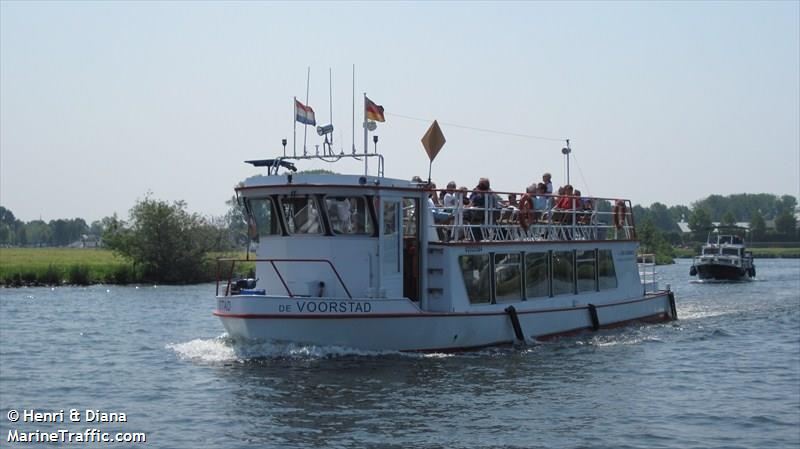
345, 215
302, 215
725, 251
513, 277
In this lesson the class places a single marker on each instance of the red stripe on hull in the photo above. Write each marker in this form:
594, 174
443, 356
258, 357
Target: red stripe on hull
416, 315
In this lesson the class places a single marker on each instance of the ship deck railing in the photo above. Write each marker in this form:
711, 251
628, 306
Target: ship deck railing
505, 223
647, 272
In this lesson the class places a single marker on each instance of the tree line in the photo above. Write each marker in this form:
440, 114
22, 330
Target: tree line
166, 243
753, 209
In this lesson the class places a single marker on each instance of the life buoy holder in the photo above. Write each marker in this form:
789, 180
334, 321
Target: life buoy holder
525, 211
620, 214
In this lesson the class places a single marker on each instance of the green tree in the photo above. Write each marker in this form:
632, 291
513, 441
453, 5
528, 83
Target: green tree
786, 203
7, 217
661, 217
729, 219
699, 223
758, 227
679, 212
165, 242
786, 224
653, 241
5, 234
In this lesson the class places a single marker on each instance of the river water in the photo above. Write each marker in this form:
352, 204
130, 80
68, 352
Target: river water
725, 375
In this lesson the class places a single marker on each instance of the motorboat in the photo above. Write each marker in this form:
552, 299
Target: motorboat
724, 257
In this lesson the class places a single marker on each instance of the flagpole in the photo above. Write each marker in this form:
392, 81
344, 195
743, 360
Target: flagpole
353, 135
305, 126
366, 158
294, 139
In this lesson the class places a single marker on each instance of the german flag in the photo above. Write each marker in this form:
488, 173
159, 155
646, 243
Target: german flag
373, 111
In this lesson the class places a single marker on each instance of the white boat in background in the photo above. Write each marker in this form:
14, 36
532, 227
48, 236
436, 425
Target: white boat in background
724, 257
358, 261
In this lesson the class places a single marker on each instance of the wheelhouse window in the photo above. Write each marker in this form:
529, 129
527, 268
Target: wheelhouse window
537, 276
730, 251
475, 270
348, 215
410, 216
586, 268
301, 213
710, 251
263, 219
563, 273
606, 275
508, 277
389, 218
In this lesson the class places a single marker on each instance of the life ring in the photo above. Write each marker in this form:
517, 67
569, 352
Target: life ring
620, 214
525, 211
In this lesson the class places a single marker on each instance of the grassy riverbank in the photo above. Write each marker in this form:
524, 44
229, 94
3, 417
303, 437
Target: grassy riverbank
56, 266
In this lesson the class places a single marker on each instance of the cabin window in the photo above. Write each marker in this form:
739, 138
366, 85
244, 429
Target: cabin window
265, 220
606, 274
348, 215
508, 277
301, 214
585, 270
710, 251
475, 269
410, 216
730, 251
537, 276
563, 272
389, 218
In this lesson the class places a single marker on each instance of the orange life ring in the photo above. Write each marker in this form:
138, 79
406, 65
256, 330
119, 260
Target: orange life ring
525, 211
620, 214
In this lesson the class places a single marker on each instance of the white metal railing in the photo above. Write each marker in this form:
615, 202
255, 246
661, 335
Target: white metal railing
647, 272
579, 220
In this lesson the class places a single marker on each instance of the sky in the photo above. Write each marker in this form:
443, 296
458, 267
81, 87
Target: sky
103, 103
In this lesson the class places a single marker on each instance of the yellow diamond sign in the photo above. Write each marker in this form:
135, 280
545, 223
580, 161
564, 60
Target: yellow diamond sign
433, 140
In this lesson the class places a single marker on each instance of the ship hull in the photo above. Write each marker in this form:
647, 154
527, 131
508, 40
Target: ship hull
721, 272
255, 318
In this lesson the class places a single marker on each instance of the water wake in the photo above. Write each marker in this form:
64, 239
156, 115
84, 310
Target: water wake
223, 349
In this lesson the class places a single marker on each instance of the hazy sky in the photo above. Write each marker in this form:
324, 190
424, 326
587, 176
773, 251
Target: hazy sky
102, 102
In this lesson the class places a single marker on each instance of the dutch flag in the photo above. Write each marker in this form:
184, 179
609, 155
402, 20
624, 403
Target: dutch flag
304, 114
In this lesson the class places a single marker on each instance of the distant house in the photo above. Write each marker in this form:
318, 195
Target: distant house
86, 241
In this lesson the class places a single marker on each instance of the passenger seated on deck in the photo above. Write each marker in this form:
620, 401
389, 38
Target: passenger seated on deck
566, 204
483, 199
436, 215
541, 202
451, 198
508, 208
548, 184
439, 215
584, 206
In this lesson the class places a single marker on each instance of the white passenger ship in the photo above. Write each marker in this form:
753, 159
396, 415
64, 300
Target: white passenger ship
358, 261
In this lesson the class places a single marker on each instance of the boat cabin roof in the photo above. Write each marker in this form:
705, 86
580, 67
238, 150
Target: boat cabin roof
323, 179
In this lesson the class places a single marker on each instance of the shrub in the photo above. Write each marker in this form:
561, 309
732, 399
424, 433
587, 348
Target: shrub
28, 278
78, 275
50, 276
122, 274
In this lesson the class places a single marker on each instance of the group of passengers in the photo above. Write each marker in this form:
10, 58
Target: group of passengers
537, 204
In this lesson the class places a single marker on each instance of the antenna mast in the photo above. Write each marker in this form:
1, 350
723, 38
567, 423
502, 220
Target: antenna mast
566, 151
